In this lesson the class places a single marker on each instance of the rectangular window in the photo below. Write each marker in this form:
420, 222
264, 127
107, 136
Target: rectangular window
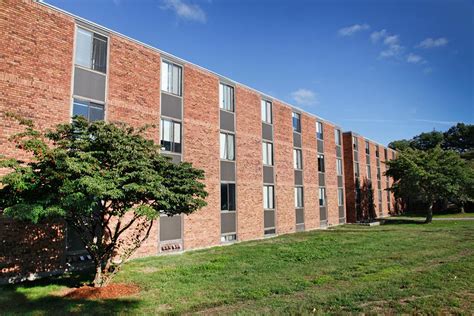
385, 153
337, 137
322, 196
339, 167
227, 146
266, 111
226, 97
267, 151
268, 197
297, 159
367, 148
340, 197
369, 173
355, 143
89, 110
297, 122
170, 137
321, 163
377, 154
171, 78
227, 196
393, 155
356, 169
91, 50
319, 130
378, 174
298, 197
380, 196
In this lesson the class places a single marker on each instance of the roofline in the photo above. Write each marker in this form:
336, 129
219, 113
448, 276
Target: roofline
370, 140
184, 61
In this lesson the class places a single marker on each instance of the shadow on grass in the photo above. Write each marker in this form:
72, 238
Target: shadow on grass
41, 297
402, 221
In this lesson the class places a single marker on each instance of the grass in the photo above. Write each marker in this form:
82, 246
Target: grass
446, 214
400, 267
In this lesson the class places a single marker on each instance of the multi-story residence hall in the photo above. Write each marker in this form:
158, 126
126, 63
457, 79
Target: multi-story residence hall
270, 168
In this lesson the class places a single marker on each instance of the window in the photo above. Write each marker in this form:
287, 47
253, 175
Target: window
229, 238
171, 78
297, 159
170, 136
298, 197
91, 50
297, 122
319, 130
358, 197
90, 110
385, 153
378, 173
320, 163
380, 196
355, 143
339, 167
227, 196
337, 136
267, 149
369, 173
340, 197
226, 97
322, 196
266, 111
367, 148
356, 169
268, 197
227, 146
377, 154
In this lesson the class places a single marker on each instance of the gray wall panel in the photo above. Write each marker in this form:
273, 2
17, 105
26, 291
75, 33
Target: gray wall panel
338, 152
175, 158
320, 146
298, 177
227, 121
269, 218
367, 159
227, 171
228, 222
89, 84
170, 227
321, 179
267, 131
339, 181
296, 139
299, 215
171, 106
342, 211
300, 227
268, 174
322, 213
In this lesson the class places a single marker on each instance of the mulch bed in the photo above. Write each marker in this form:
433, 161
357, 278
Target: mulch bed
106, 292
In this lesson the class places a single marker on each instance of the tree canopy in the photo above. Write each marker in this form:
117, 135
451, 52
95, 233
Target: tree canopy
105, 180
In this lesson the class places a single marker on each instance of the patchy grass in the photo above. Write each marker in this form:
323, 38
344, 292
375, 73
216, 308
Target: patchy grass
400, 267
446, 214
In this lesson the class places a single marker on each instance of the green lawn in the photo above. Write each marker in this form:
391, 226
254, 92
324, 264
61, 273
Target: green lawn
421, 215
400, 267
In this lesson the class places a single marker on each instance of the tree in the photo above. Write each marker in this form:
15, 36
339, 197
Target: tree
105, 180
431, 175
367, 204
426, 141
401, 144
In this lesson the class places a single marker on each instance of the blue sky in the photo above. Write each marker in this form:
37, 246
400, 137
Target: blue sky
384, 69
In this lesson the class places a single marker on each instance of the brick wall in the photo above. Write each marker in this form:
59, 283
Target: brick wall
349, 179
331, 175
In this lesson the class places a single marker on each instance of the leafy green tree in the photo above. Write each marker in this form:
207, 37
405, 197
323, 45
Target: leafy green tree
426, 141
105, 180
460, 138
431, 175
401, 144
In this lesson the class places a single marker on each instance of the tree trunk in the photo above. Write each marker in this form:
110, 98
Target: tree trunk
98, 279
429, 214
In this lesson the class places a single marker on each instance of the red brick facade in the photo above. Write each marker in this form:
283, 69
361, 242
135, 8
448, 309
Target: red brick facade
36, 78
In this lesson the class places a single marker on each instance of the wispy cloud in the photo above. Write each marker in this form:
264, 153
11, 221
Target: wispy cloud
378, 35
427, 70
393, 48
415, 59
186, 11
304, 97
351, 30
433, 42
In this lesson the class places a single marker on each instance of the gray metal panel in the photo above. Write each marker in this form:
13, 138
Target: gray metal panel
268, 174
171, 106
340, 182
299, 215
322, 213
380, 208
175, 158
356, 157
89, 84
267, 131
227, 121
320, 146
367, 159
227, 170
228, 223
269, 218
300, 227
379, 185
321, 178
170, 227
298, 177
296, 140
342, 211
338, 152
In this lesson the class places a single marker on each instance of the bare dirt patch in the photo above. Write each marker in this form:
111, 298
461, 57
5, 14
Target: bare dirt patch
106, 292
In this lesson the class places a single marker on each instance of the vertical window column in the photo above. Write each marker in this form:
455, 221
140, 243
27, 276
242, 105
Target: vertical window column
357, 191
269, 207
227, 163
379, 180
340, 176
323, 212
298, 171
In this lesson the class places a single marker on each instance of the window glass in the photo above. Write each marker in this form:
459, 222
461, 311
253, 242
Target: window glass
266, 111
340, 197
369, 173
80, 108
226, 97
321, 163
224, 197
227, 146
171, 78
268, 197
322, 196
356, 169
89, 110
355, 143
319, 130
96, 112
337, 136
339, 167
99, 53
367, 148
296, 122
231, 196
83, 48
267, 149
297, 159
298, 197
170, 136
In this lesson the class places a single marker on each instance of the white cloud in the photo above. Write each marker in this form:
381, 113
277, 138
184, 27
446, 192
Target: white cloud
393, 50
191, 12
304, 97
392, 43
414, 59
376, 36
350, 30
427, 70
433, 42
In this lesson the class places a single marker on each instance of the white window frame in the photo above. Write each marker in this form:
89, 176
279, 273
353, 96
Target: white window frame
171, 75
339, 169
319, 130
268, 197
297, 159
337, 137
175, 128
299, 197
267, 111
267, 153
226, 97
340, 196
227, 148
322, 196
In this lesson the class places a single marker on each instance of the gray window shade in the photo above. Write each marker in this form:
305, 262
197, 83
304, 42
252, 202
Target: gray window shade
99, 53
227, 146
171, 78
83, 54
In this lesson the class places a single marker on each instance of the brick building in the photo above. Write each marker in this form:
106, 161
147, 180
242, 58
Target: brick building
271, 168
